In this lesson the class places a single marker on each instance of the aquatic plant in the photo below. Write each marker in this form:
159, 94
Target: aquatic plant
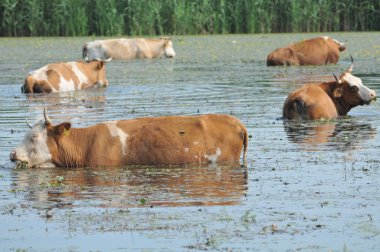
156, 17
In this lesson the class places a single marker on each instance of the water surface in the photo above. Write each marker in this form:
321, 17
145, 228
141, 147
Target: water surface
309, 186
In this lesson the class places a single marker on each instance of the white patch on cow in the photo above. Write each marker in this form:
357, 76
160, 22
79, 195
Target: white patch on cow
196, 143
39, 74
81, 77
118, 132
364, 92
169, 51
214, 157
65, 85
325, 37
186, 149
34, 149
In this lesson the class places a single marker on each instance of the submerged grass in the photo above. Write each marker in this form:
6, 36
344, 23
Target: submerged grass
156, 17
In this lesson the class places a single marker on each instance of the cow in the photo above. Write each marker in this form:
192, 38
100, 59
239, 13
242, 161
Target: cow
126, 49
316, 51
66, 76
167, 140
328, 100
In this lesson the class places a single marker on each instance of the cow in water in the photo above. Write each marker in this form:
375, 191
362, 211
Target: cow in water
168, 140
328, 100
317, 51
126, 49
66, 76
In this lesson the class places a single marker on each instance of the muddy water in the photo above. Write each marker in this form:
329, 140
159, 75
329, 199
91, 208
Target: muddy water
310, 186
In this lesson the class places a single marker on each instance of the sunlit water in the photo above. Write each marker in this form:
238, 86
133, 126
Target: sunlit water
310, 186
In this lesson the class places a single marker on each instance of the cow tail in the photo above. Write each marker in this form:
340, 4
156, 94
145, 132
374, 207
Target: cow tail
84, 53
295, 110
245, 149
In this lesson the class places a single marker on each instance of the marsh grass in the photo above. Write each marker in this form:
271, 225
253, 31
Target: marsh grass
157, 17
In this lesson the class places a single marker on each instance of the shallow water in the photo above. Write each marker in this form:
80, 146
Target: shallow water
309, 186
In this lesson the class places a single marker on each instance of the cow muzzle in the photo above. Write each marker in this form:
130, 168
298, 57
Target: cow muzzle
19, 163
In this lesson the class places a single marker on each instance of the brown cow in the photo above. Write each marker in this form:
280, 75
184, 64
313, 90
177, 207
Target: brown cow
317, 51
66, 76
143, 141
126, 49
328, 100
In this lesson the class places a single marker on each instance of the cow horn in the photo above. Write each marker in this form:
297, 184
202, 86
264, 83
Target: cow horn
336, 78
28, 123
349, 70
103, 60
47, 119
107, 60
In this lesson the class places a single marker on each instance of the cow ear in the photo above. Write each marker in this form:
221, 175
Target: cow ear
338, 92
62, 129
100, 65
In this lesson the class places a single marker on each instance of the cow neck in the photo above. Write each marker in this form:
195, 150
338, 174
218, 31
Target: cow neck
72, 147
341, 106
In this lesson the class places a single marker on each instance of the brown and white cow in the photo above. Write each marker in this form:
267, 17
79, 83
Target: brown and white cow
143, 141
139, 48
316, 51
66, 76
328, 100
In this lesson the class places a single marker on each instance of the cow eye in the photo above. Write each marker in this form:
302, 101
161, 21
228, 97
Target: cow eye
34, 138
354, 88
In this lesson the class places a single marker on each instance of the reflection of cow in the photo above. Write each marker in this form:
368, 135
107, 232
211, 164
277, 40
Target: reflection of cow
139, 48
151, 141
126, 186
328, 100
341, 134
316, 51
66, 76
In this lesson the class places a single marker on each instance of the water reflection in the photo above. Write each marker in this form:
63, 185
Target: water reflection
65, 106
341, 134
136, 186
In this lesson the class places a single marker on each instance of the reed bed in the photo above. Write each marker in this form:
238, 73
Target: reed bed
179, 17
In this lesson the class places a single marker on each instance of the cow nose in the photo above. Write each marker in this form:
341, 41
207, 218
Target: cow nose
373, 95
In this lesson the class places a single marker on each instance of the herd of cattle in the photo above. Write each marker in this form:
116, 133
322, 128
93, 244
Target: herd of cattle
171, 140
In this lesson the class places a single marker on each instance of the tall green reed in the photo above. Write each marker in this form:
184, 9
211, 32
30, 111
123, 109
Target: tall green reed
157, 17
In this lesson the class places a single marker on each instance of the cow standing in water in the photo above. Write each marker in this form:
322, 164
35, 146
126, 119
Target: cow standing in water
126, 49
328, 100
317, 51
66, 76
169, 140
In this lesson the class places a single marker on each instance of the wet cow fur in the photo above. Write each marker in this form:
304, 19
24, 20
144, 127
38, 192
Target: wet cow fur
169, 140
328, 100
316, 51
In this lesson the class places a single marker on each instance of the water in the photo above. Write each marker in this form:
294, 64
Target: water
311, 186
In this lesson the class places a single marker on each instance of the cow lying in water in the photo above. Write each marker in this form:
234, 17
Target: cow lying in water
328, 100
317, 51
166, 140
126, 49
66, 76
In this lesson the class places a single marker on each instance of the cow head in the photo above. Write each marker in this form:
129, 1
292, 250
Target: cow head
341, 46
100, 69
168, 47
351, 89
39, 143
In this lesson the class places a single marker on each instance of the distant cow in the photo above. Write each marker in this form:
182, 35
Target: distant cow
126, 49
166, 140
328, 100
66, 76
317, 51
